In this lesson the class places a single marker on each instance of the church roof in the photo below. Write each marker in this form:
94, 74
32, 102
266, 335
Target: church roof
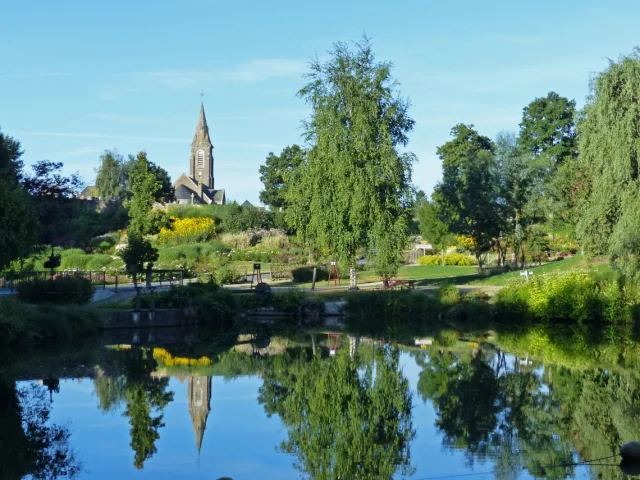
183, 193
202, 129
217, 196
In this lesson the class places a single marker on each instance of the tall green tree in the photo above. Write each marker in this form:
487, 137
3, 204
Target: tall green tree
18, 227
548, 128
467, 197
111, 176
354, 188
274, 173
144, 185
432, 228
608, 166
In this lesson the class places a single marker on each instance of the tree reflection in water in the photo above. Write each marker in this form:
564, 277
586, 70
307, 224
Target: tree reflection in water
144, 396
29, 443
530, 419
344, 419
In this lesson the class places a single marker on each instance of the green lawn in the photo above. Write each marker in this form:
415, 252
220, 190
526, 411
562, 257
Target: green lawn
427, 275
600, 267
420, 272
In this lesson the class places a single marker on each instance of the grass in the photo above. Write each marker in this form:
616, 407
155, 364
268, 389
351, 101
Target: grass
435, 276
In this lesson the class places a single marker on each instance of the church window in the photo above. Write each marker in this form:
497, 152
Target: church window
200, 159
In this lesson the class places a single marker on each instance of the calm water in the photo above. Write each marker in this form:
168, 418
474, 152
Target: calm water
267, 407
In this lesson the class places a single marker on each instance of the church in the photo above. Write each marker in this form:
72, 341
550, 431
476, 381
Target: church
198, 187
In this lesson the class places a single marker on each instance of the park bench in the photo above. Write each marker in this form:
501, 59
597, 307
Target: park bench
392, 284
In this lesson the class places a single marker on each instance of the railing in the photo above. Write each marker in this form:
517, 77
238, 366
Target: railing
98, 278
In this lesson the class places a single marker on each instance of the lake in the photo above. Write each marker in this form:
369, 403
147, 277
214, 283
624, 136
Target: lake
319, 405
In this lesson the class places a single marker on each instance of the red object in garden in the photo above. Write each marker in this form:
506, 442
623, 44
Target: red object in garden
332, 347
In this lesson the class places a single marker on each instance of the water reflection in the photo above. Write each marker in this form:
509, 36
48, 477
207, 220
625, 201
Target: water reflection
345, 406
29, 443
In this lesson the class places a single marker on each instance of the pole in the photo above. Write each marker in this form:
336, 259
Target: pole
313, 281
116, 290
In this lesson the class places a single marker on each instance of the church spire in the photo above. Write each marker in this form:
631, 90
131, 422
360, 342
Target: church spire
202, 129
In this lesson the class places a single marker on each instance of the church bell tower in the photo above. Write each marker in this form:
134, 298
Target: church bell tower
201, 169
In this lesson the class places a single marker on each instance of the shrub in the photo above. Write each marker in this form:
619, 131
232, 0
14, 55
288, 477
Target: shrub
447, 337
215, 305
98, 262
278, 240
235, 240
66, 289
305, 274
564, 296
228, 275
75, 262
187, 230
451, 259
448, 293
24, 323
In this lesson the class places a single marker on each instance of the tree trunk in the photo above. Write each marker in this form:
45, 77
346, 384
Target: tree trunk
313, 281
353, 279
442, 250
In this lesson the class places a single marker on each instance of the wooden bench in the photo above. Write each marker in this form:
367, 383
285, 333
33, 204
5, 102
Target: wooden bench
392, 284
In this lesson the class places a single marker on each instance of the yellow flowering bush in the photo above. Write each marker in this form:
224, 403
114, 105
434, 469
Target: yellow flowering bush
467, 243
165, 358
187, 230
457, 259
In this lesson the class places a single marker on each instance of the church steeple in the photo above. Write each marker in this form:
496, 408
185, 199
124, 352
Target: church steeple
199, 391
201, 163
202, 129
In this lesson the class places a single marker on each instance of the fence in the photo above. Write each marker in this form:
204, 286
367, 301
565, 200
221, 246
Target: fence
11, 280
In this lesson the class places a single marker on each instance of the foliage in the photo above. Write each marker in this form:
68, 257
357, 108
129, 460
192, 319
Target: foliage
33, 446
17, 225
467, 196
228, 218
187, 230
548, 127
111, 176
563, 296
310, 398
432, 228
391, 313
274, 175
354, 188
448, 293
136, 254
144, 396
608, 184
64, 289
144, 185
114, 178
457, 259
214, 305
26, 323
305, 274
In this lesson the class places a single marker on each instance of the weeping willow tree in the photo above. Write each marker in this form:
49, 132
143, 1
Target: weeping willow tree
353, 191
608, 182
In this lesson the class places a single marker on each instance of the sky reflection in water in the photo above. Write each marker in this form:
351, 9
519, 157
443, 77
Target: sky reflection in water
467, 413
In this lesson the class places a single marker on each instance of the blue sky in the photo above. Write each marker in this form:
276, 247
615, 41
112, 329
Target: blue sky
78, 77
